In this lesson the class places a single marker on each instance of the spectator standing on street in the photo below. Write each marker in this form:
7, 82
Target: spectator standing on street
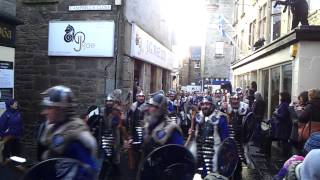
283, 123
311, 111
11, 129
295, 109
251, 95
258, 110
258, 107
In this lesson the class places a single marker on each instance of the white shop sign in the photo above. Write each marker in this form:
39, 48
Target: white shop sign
90, 8
146, 48
81, 38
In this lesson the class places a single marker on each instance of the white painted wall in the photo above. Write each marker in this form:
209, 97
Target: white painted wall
273, 59
150, 16
308, 65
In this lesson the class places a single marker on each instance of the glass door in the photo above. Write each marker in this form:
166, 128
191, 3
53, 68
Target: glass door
265, 89
275, 88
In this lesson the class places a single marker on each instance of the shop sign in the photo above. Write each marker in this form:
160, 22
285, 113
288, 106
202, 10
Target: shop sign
6, 83
6, 74
81, 38
7, 35
148, 49
90, 8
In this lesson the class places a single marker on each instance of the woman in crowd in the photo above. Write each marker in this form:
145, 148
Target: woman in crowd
283, 123
311, 111
11, 129
295, 109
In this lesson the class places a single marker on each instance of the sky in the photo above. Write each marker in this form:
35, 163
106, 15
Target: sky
188, 20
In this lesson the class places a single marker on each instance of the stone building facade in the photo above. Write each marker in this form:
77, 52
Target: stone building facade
217, 51
190, 72
90, 78
8, 23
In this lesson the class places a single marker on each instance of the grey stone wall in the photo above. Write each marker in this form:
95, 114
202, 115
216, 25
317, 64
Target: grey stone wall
8, 7
36, 71
218, 67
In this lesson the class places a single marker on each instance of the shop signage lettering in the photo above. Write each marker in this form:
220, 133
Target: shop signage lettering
90, 8
147, 48
7, 33
78, 38
155, 50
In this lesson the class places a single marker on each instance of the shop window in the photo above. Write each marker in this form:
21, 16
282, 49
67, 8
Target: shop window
287, 78
165, 80
275, 88
242, 42
235, 48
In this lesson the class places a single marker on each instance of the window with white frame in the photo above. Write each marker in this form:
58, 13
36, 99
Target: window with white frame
314, 5
252, 32
197, 64
236, 11
219, 48
275, 22
262, 20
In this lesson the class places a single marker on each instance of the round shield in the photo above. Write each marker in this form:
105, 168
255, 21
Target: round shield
227, 157
169, 162
60, 168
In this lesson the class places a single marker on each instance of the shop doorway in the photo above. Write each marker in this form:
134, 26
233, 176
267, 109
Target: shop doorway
137, 75
165, 80
153, 83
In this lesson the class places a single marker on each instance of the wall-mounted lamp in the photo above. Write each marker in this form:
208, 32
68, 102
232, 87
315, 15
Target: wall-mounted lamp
293, 50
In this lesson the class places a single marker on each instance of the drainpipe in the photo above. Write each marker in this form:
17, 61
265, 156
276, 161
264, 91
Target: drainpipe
117, 43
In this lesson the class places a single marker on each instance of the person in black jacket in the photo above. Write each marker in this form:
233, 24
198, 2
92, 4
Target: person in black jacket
258, 110
258, 107
251, 95
300, 11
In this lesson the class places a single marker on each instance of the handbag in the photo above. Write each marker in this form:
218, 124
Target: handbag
305, 129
